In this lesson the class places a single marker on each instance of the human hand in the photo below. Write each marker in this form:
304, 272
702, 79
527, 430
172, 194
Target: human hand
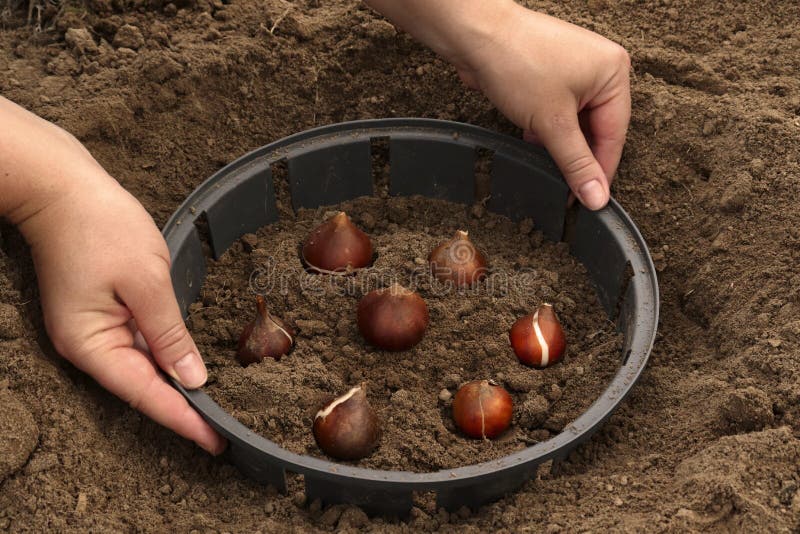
103, 270
565, 86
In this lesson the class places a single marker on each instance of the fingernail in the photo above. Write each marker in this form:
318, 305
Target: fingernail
216, 448
220, 448
191, 371
593, 195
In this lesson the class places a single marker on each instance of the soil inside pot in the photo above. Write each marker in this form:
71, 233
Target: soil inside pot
411, 391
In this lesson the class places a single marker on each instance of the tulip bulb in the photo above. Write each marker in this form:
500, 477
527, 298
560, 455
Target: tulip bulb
538, 340
347, 427
265, 336
392, 318
337, 246
482, 409
458, 261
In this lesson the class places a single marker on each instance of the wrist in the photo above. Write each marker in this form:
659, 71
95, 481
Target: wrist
454, 29
61, 203
475, 29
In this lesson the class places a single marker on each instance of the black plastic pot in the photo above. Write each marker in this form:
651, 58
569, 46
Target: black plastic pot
437, 159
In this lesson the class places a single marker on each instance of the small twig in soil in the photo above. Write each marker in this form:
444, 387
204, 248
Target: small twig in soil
691, 197
594, 334
278, 20
526, 440
61, 9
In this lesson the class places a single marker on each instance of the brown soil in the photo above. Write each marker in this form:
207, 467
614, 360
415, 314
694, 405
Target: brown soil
467, 338
708, 440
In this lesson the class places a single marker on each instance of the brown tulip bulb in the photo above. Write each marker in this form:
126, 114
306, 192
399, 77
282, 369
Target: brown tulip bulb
392, 318
538, 340
347, 427
265, 337
458, 261
337, 246
482, 409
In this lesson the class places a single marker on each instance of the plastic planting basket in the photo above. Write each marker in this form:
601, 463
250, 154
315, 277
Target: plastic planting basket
437, 159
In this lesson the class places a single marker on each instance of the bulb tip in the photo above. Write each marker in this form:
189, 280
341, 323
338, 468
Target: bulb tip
397, 289
261, 305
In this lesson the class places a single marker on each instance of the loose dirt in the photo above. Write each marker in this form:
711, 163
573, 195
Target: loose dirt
165, 93
467, 338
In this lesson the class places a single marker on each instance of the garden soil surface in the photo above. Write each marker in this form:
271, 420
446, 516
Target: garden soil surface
163, 94
411, 391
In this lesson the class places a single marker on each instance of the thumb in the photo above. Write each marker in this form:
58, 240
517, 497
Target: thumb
151, 300
564, 140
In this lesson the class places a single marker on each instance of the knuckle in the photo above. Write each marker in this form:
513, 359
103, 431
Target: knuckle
579, 165
622, 57
161, 255
135, 399
172, 337
155, 274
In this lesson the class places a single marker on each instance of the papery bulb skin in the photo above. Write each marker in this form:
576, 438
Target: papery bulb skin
347, 427
266, 336
538, 339
337, 246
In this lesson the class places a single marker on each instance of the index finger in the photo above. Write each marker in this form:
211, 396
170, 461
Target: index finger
608, 124
132, 376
